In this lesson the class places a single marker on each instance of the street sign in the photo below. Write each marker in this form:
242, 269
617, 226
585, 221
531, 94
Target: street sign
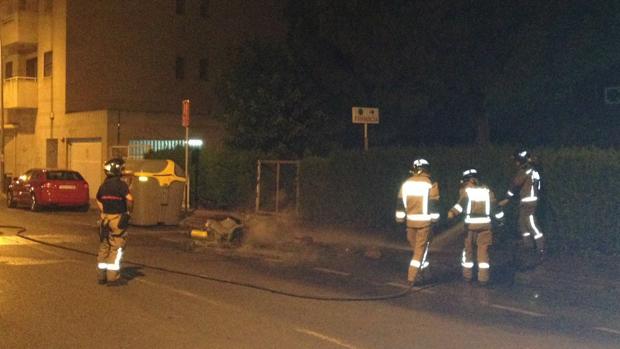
185, 118
364, 115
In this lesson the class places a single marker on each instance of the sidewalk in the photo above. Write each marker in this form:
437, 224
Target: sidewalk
590, 276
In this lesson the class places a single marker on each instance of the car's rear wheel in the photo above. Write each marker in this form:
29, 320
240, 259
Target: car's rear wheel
34, 205
10, 200
84, 208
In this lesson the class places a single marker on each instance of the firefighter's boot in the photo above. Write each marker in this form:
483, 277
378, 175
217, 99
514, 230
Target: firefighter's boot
412, 274
425, 276
541, 256
540, 247
101, 276
117, 283
467, 274
483, 276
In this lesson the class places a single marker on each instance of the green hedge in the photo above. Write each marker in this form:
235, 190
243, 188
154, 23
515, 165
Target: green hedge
578, 210
228, 179
222, 179
582, 198
362, 188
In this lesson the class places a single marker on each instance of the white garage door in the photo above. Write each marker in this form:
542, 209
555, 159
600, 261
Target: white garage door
85, 157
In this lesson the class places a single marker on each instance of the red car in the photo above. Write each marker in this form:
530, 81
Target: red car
38, 188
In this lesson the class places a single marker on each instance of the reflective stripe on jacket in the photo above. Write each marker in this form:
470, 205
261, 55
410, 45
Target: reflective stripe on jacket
477, 202
418, 201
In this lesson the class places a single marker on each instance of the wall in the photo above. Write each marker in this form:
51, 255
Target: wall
121, 54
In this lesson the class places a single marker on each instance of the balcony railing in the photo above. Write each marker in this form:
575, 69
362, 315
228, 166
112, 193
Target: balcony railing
20, 92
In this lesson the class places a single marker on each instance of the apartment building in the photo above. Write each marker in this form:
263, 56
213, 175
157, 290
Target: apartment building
85, 79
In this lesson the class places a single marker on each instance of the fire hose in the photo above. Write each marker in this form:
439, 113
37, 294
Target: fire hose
410, 289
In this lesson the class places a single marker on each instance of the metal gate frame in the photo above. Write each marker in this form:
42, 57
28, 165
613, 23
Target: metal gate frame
132, 151
278, 164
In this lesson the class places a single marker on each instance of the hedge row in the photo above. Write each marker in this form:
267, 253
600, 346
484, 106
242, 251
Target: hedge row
220, 179
578, 211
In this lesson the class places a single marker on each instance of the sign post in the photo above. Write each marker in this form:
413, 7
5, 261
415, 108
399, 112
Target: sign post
365, 115
185, 123
2, 170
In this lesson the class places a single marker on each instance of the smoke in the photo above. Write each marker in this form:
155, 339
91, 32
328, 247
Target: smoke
262, 229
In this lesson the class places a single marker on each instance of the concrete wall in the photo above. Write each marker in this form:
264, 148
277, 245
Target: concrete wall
122, 54
114, 77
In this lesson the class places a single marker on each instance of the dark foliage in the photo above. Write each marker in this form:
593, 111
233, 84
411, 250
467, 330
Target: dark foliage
442, 72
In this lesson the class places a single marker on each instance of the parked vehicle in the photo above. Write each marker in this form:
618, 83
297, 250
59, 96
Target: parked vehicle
38, 188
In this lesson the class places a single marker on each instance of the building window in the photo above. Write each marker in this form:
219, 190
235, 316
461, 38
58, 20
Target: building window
180, 7
31, 67
180, 68
204, 69
47, 63
8, 70
204, 8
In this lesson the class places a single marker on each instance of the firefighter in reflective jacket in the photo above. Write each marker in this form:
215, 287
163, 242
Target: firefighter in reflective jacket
418, 204
525, 187
114, 201
477, 203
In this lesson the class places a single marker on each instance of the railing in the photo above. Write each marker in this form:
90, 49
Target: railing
20, 92
132, 151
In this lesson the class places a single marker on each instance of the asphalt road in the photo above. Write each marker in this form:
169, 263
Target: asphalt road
180, 295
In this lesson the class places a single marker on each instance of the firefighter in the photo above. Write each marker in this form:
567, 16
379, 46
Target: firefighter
477, 203
525, 187
114, 201
418, 205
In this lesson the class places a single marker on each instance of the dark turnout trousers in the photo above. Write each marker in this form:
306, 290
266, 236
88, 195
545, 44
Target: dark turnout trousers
481, 239
111, 249
532, 238
418, 238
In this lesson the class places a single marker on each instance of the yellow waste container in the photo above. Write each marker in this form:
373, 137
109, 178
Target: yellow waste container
158, 189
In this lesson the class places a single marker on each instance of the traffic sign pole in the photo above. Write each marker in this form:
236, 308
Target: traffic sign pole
185, 123
365, 115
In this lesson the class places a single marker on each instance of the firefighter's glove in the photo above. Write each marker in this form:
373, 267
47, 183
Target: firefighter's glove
123, 222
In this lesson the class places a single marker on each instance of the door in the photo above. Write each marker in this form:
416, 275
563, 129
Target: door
51, 150
85, 157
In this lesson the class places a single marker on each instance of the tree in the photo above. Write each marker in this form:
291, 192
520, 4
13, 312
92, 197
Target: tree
271, 105
445, 71
552, 88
